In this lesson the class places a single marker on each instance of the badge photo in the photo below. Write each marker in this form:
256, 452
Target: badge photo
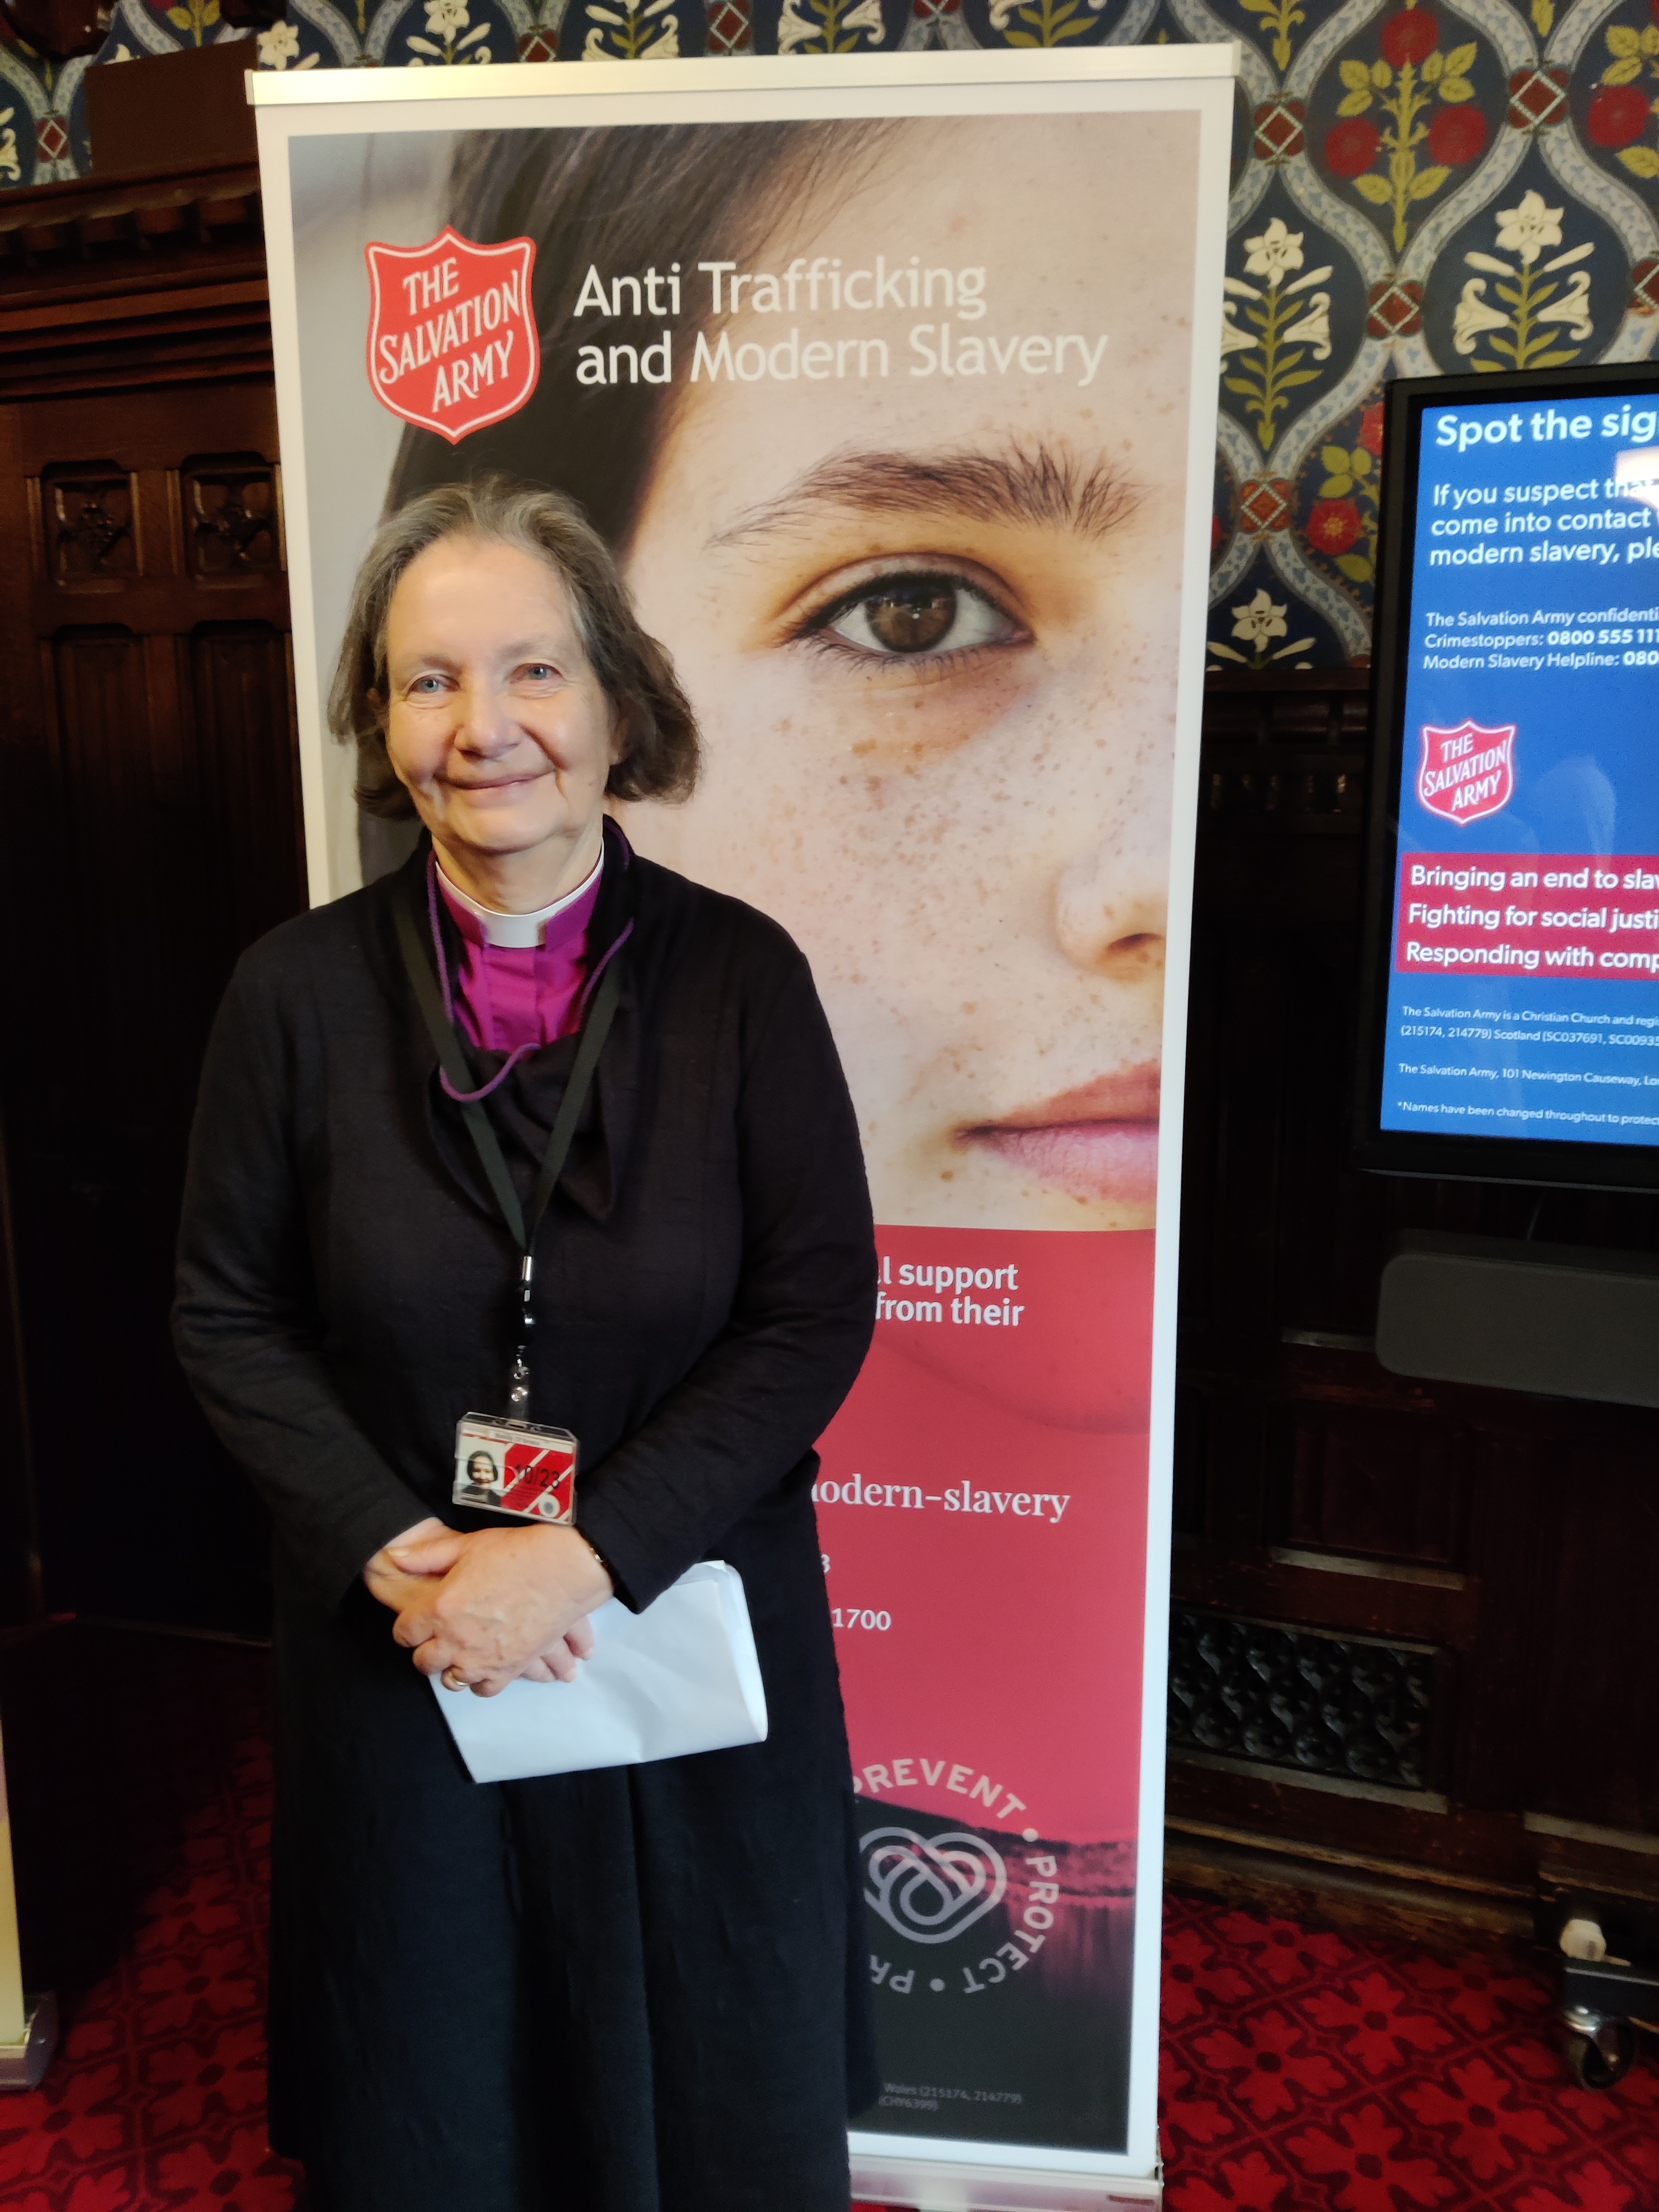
517, 1468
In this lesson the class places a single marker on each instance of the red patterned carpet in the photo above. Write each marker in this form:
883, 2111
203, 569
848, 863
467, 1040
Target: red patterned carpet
1303, 2072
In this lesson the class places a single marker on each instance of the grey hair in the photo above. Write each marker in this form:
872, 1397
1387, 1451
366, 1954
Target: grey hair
654, 720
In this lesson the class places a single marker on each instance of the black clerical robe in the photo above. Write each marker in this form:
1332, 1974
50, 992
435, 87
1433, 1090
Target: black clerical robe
640, 1990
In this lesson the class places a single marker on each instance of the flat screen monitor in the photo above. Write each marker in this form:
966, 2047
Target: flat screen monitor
1510, 1006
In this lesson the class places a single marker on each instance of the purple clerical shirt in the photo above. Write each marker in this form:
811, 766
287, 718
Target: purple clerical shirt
514, 998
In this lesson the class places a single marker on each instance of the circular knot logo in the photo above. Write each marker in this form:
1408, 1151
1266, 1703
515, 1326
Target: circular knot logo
930, 1888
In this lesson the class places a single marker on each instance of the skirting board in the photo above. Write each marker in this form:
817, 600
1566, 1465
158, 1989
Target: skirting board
880, 2177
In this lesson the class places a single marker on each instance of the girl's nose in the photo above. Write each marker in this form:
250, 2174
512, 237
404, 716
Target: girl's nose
1111, 908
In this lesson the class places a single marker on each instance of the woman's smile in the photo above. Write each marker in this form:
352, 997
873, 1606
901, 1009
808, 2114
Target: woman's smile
511, 785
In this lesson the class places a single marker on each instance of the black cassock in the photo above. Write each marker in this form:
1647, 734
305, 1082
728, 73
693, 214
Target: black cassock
638, 1989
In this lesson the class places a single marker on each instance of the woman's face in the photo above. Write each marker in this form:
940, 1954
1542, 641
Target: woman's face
495, 724
928, 624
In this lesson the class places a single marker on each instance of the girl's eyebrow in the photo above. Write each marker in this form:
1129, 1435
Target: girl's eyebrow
1042, 486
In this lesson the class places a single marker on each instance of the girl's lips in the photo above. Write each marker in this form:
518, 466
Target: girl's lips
1097, 1141
1112, 1160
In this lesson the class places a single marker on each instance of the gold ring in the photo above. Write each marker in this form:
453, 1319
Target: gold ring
454, 1679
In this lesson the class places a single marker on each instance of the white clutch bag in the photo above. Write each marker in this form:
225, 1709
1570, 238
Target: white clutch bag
678, 1678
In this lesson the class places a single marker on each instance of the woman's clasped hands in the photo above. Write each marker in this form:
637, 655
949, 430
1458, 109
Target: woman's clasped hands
497, 1606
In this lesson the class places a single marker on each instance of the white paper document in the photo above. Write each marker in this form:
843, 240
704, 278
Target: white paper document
680, 1677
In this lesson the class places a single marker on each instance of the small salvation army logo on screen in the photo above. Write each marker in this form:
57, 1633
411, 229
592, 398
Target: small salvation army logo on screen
452, 344
1467, 773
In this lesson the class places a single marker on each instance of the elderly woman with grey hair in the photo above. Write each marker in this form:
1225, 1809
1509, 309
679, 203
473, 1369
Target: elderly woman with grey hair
622, 1990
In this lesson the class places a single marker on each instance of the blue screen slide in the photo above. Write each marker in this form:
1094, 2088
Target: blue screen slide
1523, 991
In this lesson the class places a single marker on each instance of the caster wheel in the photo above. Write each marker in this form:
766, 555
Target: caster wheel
1589, 2064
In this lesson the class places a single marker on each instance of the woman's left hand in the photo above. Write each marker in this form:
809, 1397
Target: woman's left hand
499, 1603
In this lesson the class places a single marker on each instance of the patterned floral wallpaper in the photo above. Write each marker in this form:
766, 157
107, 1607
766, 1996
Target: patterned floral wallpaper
1417, 188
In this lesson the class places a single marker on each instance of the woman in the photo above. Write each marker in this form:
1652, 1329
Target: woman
929, 621
619, 1991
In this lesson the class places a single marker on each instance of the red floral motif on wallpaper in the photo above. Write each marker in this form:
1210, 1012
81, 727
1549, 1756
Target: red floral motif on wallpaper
1334, 525
1407, 118
1618, 114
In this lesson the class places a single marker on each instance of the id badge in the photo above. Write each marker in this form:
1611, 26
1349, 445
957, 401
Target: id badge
517, 1468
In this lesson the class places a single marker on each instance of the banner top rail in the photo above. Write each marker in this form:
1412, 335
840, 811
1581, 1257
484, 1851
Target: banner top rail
866, 72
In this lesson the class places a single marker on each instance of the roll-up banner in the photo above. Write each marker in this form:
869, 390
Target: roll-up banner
892, 381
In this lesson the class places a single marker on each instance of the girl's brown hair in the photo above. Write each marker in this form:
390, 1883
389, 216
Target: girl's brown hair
653, 718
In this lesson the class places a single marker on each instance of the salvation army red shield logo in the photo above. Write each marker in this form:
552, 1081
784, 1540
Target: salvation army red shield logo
1467, 773
452, 344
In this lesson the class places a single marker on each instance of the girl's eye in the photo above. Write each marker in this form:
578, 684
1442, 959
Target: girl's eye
541, 671
911, 616
425, 687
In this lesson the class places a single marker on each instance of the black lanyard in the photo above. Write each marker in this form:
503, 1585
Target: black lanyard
452, 1060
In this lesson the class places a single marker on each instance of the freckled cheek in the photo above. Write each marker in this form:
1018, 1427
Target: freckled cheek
949, 847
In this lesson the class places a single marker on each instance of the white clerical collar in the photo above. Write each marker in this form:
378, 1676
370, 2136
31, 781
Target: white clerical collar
520, 931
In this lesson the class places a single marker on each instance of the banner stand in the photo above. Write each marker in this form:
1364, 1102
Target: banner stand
912, 475
28, 2026
941, 2185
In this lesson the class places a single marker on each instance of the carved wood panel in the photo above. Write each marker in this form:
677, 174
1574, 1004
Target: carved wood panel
233, 518
145, 613
88, 523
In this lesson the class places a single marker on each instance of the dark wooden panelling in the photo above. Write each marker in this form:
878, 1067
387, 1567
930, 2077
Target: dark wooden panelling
1597, 1711
1368, 1485
241, 679
1512, 1536
118, 284
22, 1596
152, 830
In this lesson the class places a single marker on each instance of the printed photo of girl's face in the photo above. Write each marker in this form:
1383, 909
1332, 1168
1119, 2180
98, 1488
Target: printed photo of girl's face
928, 622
